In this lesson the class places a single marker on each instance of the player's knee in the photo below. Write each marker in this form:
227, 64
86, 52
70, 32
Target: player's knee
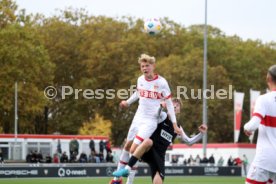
133, 148
148, 142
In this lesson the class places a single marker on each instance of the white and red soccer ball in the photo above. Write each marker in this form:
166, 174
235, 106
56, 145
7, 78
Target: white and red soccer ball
152, 26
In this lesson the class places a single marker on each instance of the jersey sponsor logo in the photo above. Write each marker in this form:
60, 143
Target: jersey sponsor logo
166, 135
155, 87
150, 94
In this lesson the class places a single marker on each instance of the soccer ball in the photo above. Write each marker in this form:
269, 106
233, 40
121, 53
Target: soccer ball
152, 26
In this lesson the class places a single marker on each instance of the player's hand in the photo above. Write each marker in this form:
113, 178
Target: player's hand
163, 104
124, 104
203, 128
248, 133
177, 130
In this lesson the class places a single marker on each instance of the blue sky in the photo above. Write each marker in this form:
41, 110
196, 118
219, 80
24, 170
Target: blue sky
249, 19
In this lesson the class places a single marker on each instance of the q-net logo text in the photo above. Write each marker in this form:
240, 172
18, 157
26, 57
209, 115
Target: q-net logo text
71, 172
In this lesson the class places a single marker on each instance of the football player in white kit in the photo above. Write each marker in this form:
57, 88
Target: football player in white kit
151, 90
263, 167
153, 150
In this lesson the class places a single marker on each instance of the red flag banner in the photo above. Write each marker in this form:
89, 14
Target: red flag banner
238, 104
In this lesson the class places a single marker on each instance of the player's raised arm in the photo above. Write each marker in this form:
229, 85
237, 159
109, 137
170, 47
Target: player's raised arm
170, 107
133, 98
192, 140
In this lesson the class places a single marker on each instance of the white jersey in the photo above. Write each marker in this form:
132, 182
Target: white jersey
265, 109
150, 93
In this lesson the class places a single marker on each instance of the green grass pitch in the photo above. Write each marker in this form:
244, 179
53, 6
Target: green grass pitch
138, 180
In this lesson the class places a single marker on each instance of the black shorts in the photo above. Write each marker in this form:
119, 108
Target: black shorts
156, 162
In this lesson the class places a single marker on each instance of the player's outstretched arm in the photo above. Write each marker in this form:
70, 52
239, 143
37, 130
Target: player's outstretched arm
133, 98
192, 140
170, 108
252, 125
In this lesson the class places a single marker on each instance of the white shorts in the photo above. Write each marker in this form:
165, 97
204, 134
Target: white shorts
141, 128
260, 176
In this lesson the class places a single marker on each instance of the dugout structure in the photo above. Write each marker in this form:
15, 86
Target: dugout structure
17, 148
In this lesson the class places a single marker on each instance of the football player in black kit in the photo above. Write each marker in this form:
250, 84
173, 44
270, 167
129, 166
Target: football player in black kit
153, 150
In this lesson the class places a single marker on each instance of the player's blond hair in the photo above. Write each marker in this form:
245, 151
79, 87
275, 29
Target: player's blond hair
146, 58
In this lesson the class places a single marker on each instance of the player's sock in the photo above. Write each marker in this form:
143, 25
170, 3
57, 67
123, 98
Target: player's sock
131, 175
132, 161
124, 158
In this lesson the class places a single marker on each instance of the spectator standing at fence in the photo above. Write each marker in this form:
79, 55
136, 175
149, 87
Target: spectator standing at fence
39, 157
220, 161
205, 160
92, 145
108, 146
237, 161
73, 157
101, 146
174, 160
83, 158
56, 158
191, 160
212, 160
48, 159
197, 160
230, 161
64, 158
185, 162
74, 147
109, 157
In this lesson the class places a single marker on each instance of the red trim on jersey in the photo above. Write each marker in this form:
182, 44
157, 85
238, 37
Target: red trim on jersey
154, 78
122, 162
269, 121
258, 115
139, 138
168, 96
254, 182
